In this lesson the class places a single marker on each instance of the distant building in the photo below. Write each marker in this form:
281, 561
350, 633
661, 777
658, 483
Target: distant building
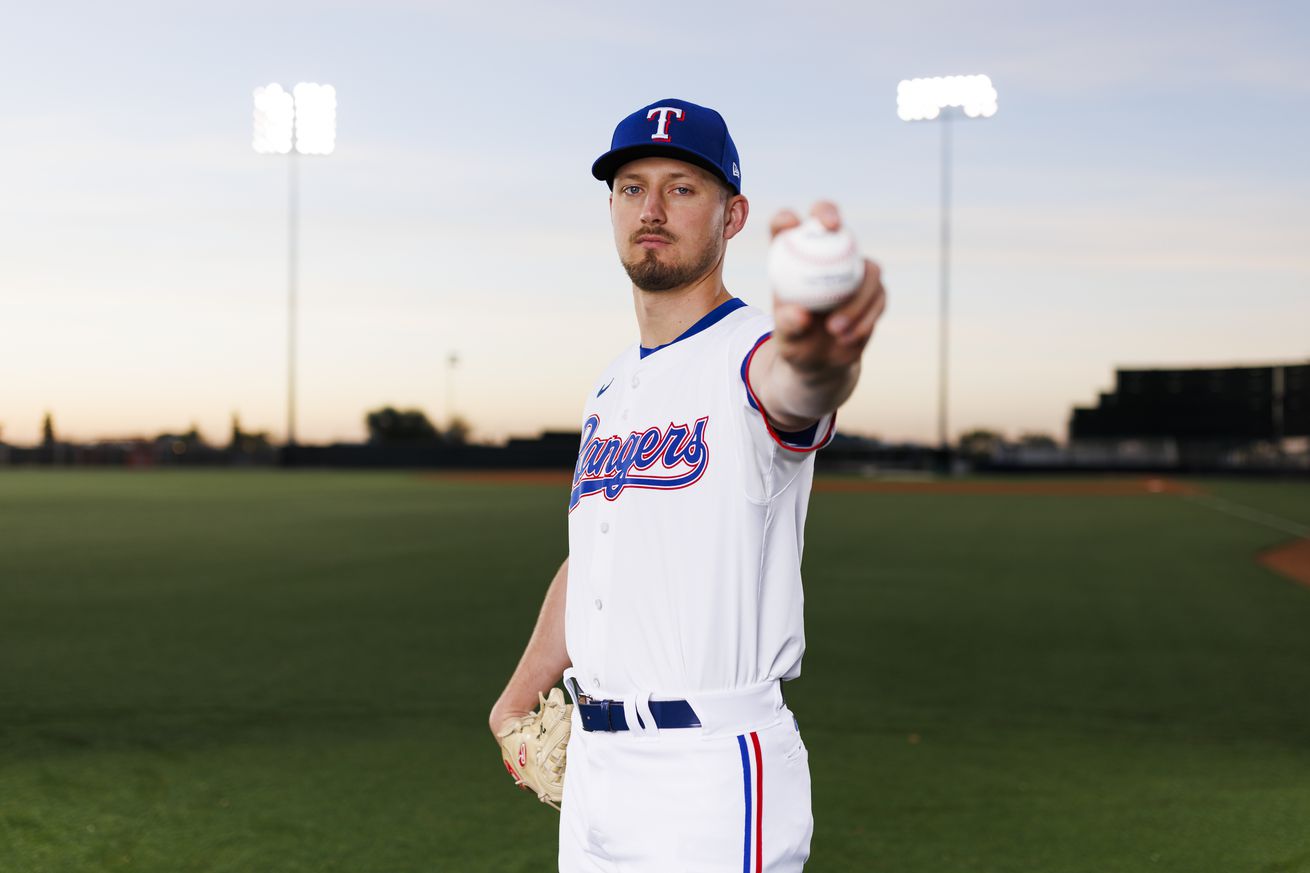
1204, 417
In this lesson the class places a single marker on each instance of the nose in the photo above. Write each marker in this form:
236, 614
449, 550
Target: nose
652, 208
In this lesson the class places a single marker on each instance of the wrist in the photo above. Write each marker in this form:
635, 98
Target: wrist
815, 393
502, 715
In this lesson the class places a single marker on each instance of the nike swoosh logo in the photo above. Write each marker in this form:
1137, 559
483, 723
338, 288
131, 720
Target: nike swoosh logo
606, 388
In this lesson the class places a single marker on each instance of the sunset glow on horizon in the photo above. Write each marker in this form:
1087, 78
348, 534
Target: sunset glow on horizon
1147, 210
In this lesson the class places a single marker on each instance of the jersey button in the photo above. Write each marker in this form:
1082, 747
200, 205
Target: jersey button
599, 605
635, 381
604, 527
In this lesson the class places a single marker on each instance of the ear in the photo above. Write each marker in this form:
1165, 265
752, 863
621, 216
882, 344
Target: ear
735, 212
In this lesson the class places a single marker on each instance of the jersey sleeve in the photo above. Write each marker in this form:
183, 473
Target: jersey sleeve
814, 437
746, 341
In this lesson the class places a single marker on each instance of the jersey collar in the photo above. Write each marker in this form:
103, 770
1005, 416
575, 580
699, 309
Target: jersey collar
709, 319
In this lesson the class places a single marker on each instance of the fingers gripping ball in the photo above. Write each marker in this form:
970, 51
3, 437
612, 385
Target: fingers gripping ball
534, 747
814, 267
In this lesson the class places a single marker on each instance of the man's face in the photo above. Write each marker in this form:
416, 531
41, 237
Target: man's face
671, 221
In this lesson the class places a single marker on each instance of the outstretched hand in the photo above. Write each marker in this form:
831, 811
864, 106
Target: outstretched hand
817, 342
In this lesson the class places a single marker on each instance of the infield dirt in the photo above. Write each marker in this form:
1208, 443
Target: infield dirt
1290, 559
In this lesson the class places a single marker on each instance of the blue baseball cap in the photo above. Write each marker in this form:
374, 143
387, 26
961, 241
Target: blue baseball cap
673, 129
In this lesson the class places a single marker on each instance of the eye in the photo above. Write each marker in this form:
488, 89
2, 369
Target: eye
631, 190
682, 189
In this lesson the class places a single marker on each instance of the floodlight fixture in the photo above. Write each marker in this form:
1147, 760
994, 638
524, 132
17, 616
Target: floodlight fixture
316, 118
274, 120
924, 99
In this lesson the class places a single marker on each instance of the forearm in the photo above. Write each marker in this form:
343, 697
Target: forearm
544, 659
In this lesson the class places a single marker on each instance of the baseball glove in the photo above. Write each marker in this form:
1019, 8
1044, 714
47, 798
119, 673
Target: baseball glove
534, 747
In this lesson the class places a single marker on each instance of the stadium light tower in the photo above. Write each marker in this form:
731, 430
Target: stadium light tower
452, 360
301, 122
944, 99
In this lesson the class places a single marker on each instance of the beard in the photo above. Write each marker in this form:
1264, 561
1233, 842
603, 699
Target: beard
649, 273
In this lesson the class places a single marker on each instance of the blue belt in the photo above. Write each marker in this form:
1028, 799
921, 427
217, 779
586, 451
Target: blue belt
607, 715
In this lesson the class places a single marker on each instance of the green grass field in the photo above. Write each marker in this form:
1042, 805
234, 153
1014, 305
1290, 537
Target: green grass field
272, 671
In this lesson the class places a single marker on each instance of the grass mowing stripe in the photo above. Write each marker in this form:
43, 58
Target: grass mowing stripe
1251, 514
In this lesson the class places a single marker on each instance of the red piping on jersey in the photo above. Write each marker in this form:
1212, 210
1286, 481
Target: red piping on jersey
832, 425
759, 806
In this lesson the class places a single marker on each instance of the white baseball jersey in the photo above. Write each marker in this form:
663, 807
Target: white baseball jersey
686, 521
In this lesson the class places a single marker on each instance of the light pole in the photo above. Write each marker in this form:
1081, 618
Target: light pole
307, 117
452, 361
944, 99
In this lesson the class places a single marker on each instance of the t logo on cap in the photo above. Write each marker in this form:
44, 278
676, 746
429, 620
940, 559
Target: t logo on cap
662, 129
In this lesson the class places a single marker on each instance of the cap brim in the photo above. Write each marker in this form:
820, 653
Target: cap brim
608, 164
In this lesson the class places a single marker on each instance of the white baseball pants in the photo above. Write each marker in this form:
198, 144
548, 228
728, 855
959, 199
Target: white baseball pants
687, 800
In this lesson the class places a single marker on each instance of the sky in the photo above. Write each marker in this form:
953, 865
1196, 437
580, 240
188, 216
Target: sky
1142, 198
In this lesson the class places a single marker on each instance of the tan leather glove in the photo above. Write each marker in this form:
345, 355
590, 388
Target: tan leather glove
534, 747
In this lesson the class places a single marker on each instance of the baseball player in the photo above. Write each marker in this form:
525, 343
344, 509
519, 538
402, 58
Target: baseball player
678, 610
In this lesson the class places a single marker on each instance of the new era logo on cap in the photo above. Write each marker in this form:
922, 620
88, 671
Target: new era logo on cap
674, 129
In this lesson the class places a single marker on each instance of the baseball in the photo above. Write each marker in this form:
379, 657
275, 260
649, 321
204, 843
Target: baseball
813, 266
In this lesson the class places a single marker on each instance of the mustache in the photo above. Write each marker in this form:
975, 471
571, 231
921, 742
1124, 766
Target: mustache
653, 231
